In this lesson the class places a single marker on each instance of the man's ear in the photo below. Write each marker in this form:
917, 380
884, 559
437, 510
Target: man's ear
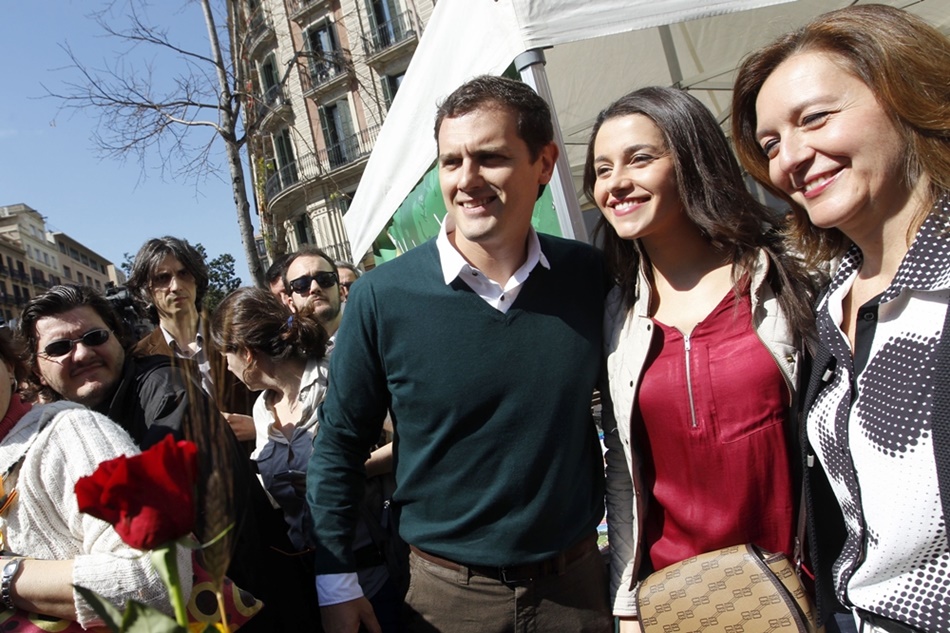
548, 158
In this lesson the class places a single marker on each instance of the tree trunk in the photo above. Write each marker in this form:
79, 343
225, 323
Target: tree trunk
229, 108
243, 208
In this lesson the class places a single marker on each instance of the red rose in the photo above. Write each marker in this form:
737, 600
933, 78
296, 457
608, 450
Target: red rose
148, 498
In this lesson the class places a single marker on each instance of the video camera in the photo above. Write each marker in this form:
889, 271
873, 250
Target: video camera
121, 300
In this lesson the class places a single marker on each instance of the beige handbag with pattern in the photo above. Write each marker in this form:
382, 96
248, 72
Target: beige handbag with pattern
740, 588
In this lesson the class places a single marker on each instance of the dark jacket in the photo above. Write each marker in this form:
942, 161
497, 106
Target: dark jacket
230, 394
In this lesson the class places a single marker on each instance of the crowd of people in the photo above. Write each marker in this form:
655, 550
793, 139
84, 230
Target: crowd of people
414, 449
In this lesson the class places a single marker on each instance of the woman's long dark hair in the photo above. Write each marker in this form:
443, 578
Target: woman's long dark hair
714, 198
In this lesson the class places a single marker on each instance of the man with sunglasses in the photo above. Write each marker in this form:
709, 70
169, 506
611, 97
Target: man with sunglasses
311, 280
76, 354
485, 345
72, 335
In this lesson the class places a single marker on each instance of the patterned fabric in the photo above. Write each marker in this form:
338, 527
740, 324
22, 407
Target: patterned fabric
871, 426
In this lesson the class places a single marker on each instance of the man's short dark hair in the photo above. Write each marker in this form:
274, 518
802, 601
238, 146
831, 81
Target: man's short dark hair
486, 92
351, 267
148, 259
307, 250
277, 269
57, 300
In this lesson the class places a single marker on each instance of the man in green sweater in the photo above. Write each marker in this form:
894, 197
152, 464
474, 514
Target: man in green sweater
485, 346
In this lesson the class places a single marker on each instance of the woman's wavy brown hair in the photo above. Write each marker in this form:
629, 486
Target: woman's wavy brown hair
906, 64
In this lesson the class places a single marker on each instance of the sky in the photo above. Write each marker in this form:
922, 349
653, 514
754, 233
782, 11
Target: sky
47, 156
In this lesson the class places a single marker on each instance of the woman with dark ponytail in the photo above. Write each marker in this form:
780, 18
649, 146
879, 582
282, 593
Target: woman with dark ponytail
283, 355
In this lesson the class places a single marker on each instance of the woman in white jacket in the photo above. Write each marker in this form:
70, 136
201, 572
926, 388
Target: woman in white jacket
703, 338
44, 450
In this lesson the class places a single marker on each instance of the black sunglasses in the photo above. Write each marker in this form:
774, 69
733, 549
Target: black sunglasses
63, 346
324, 280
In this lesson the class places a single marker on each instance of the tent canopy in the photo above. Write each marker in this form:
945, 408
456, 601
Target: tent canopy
596, 50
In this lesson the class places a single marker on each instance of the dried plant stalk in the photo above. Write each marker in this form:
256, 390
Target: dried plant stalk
205, 426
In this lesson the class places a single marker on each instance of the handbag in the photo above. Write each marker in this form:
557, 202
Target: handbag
739, 588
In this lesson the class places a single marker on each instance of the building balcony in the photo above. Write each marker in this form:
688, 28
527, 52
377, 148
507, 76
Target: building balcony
270, 105
390, 39
259, 31
301, 10
325, 162
326, 72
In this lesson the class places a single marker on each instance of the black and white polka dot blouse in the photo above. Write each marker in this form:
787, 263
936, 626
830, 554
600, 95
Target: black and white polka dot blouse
871, 428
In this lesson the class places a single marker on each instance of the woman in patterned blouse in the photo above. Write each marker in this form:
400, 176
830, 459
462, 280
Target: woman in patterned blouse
848, 119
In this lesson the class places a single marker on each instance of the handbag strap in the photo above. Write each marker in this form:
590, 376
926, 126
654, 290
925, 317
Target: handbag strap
811, 358
798, 551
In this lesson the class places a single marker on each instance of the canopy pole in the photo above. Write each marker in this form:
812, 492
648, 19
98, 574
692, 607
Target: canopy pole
672, 59
531, 66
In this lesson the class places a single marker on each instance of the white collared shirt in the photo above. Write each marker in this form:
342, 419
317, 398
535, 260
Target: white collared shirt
200, 357
497, 296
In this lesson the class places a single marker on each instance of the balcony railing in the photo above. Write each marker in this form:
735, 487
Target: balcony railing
349, 149
388, 34
324, 68
284, 178
258, 28
271, 100
314, 165
297, 8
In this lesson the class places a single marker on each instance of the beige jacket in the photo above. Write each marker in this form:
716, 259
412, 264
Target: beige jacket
627, 337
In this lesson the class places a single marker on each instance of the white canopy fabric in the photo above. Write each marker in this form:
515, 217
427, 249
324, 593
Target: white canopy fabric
602, 49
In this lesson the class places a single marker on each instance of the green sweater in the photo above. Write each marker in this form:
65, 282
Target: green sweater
497, 459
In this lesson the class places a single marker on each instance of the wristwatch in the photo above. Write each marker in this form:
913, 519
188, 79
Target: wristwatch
10, 569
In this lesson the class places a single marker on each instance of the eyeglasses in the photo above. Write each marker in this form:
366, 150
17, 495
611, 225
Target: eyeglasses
63, 346
324, 280
346, 284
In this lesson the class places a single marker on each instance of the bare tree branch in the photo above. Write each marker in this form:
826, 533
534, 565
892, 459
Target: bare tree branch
178, 115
